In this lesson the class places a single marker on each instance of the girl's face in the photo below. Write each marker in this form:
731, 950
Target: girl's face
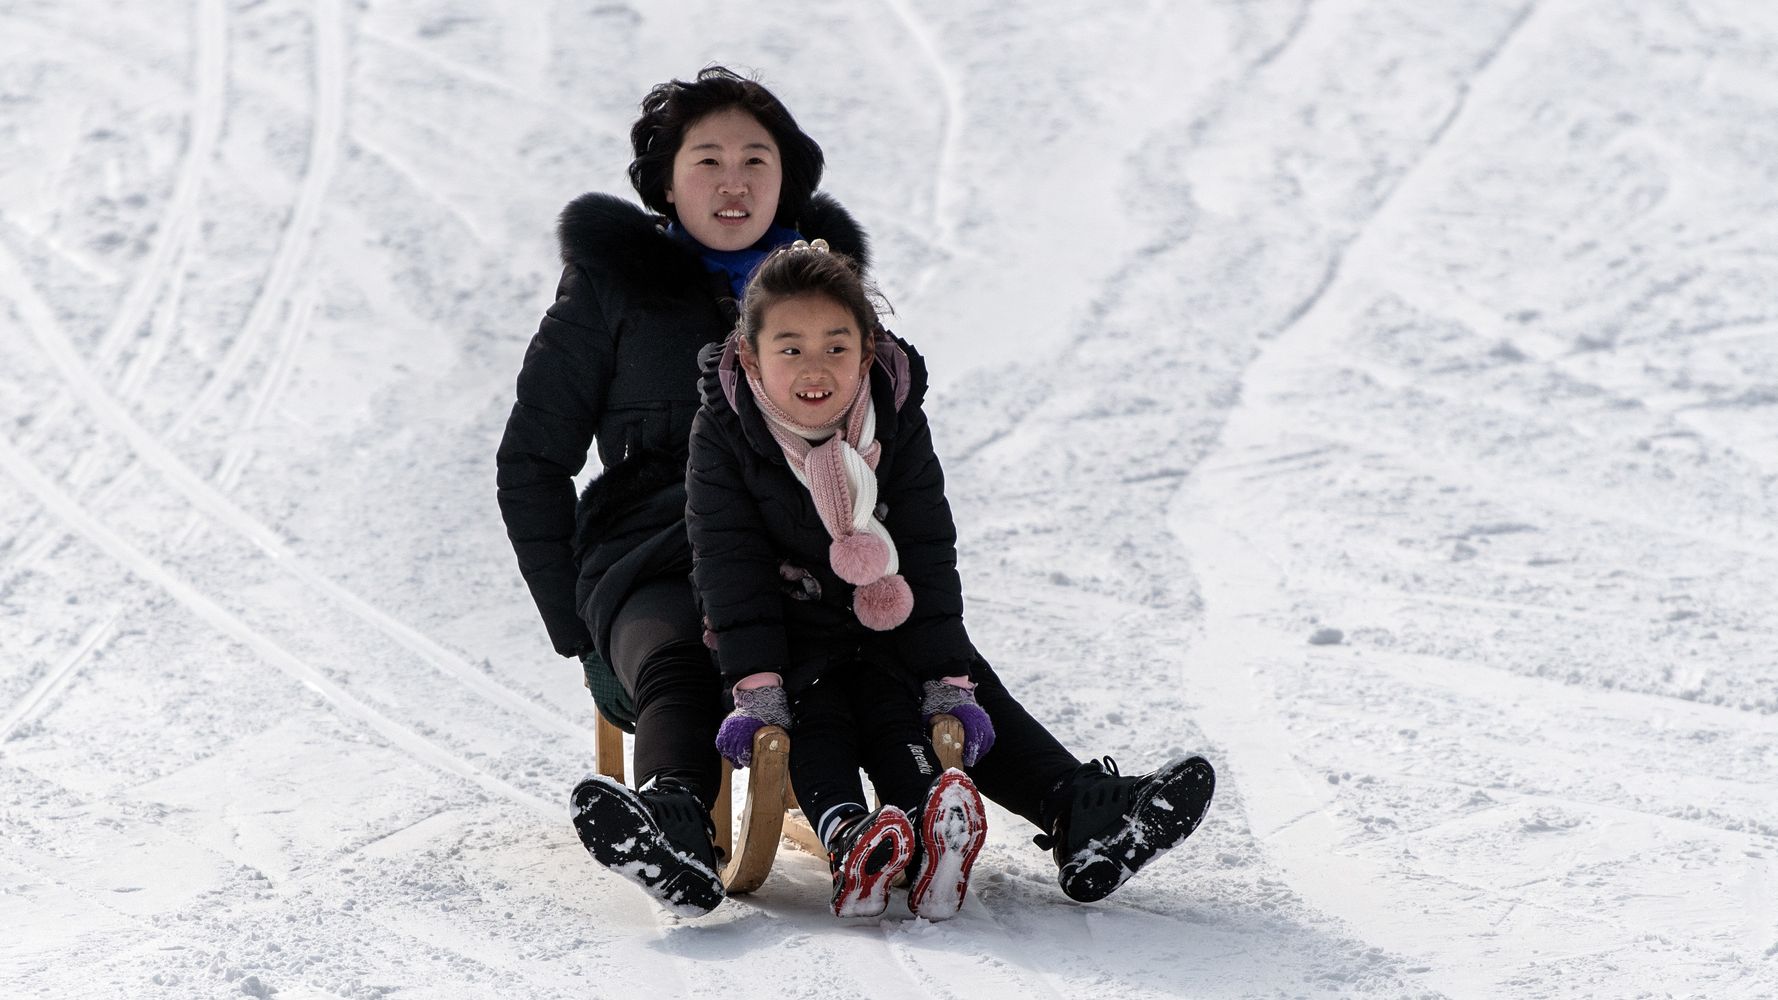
810, 357
725, 182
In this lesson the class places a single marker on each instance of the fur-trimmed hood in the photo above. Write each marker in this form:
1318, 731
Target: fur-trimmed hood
611, 235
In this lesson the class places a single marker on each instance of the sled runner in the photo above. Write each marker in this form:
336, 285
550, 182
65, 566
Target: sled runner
770, 811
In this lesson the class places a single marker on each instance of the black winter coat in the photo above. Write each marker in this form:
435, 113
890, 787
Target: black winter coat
748, 515
615, 361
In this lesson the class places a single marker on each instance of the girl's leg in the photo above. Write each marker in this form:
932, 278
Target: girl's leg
824, 754
895, 745
657, 651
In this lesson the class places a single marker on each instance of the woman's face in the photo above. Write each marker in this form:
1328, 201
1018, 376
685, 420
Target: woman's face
810, 357
726, 177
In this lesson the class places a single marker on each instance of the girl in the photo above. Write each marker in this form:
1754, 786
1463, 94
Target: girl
825, 559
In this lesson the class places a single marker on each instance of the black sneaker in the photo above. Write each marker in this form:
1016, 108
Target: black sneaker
951, 827
867, 854
1114, 825
660, 838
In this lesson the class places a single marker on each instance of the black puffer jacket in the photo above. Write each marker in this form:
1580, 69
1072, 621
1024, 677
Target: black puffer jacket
748, 515
615, 360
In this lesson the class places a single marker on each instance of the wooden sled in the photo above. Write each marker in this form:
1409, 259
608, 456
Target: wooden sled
770, 812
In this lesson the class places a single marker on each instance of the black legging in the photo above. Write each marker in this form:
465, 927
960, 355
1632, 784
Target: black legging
658, 652
1026, 768
859, 714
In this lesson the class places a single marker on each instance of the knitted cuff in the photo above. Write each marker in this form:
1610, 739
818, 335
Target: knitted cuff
767, 704
941, 696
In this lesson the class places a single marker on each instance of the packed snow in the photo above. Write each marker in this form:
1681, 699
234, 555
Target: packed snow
1378, 397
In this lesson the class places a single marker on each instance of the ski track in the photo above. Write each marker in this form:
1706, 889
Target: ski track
413, 177
217, 930
209, 103
54, 680
479, 77
1041, 391
236, 458
999, 978
326, 132
1588, 508
88, 527
213, 503
1246, 719
167, 254
942, 213
20, 469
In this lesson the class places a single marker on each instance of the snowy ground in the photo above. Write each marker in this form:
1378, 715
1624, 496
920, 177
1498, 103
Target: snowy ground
1378, 397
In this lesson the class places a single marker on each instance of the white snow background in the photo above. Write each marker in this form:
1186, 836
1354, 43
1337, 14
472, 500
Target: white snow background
1377, 396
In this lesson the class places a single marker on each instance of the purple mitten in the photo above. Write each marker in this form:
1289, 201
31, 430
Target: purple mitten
754, 707
951, 696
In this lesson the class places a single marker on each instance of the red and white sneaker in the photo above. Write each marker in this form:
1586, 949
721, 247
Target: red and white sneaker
868, 854
952, 828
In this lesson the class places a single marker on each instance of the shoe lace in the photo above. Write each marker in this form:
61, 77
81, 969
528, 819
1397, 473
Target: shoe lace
1099, 788
1099, 798
680, 816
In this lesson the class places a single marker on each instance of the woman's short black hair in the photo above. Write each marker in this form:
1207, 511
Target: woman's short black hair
672, 107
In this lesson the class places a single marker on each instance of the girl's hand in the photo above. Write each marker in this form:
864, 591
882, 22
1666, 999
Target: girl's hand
955, 696
759, 701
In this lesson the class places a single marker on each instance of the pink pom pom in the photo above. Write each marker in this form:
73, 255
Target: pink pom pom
858, 558
883, 603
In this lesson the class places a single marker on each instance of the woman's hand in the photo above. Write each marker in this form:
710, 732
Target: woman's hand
759, 701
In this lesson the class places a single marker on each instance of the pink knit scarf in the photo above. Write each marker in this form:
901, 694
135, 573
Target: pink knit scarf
841, 479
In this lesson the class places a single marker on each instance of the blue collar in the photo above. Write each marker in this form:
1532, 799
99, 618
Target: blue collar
736, 265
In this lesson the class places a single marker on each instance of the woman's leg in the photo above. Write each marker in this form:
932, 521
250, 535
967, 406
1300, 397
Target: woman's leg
1027, 770
658, 652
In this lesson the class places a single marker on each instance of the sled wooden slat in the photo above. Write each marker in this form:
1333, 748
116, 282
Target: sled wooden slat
762, 815
947, 739
608, 750
796, 826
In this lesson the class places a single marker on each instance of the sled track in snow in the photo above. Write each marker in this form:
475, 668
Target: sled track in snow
481, 78
1237, 708
210, 94
327, 126
63, 506
209, 106
205, 497
943, 166
55, 678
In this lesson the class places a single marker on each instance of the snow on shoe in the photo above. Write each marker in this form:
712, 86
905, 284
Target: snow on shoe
866, 857
1116, 825
657, 838
953, 826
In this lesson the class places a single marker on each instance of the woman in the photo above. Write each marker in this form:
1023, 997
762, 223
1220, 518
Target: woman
730, 177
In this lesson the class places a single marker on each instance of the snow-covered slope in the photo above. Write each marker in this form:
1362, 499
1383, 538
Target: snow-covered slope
1377, 397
